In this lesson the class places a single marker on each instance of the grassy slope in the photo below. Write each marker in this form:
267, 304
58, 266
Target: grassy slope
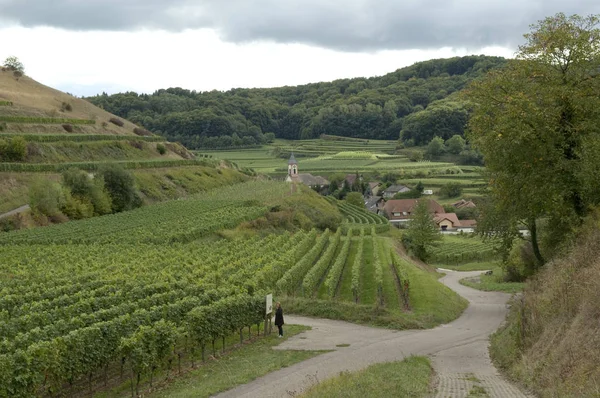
431, 301
551, 341
407, 378
31, 98
59, 152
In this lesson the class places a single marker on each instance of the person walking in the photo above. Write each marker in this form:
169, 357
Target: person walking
279, 318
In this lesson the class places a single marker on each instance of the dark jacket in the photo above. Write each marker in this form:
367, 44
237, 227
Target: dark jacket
279, 317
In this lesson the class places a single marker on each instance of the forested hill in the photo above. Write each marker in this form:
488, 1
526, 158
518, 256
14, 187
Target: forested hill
416, 100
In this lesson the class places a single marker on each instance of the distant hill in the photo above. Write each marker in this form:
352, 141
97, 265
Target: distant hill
372, 108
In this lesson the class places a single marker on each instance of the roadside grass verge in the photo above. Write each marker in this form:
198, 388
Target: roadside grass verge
407, 378
493, 283
432, 302
474, 266
368, 291
236, 367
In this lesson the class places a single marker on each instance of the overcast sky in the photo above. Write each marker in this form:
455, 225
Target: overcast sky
89, 46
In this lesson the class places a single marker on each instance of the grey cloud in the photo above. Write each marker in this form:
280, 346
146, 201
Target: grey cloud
348, 25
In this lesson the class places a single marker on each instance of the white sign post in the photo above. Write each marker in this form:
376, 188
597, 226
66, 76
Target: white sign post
269, 304
269, 311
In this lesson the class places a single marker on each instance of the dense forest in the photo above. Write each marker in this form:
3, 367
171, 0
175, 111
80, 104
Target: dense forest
414, 104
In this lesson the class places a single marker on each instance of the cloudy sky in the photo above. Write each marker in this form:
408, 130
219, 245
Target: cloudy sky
89, 46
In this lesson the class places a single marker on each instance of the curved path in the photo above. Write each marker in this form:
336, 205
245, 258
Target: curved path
458, 350
15, 211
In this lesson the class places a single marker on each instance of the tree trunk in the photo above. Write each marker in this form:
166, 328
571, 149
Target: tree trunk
535, 244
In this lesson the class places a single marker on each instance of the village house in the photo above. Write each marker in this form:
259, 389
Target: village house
447, 221
392, 190
399, 211
461, 204
373, 188
374, 204
315, 182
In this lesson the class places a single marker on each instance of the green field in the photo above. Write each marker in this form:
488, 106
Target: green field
369, 157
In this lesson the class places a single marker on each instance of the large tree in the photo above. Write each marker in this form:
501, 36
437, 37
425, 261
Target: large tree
535, 121
422, 231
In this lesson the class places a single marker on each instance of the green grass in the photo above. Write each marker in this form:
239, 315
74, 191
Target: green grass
368, 291
475, 266
407, 378
493, 283
433, 302
390, 293
238, 367
345, 288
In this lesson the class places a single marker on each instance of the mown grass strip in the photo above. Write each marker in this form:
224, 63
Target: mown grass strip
368, 292
345, 288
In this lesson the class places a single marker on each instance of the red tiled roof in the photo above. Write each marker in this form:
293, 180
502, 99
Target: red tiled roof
438, 218
407, 206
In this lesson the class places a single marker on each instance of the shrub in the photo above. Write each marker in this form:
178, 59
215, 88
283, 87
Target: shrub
13, 150
117, 122
120, 185
17, 74
141, 132
66, 107
161, 149
415, 156
46, 197
451, 190
137, 144
68, 127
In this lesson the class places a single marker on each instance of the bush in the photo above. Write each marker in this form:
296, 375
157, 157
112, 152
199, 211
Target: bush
87, 190
137, 144
415, 156
77, 208
13, 150
68, 127
46, 197
141, 132
66, 107
117, 122
451, 190
161, 149
120, 185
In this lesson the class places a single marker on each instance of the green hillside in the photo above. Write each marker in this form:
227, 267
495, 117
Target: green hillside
372, 108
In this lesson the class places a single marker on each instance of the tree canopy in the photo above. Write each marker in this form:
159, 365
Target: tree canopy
377, 108
536, 121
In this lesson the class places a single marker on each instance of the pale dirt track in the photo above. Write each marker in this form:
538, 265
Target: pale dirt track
458, 350
15, 211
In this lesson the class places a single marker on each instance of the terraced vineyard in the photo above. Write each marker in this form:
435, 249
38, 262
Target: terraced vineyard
174, 221
355, 217
457, 250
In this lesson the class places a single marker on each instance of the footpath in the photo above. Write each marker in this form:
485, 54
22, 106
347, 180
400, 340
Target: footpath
458, 350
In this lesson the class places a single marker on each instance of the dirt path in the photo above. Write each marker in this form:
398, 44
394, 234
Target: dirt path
15, 211
458, 350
